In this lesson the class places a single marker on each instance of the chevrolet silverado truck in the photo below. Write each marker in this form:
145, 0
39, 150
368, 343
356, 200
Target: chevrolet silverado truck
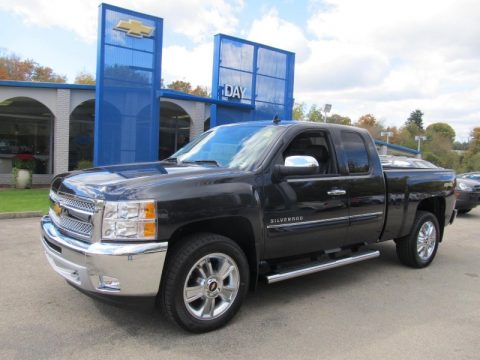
240, 203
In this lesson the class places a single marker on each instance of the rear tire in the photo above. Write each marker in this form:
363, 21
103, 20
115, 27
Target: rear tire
418, 249
205, 282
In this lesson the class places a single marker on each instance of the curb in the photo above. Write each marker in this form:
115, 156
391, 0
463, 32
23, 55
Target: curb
21, 215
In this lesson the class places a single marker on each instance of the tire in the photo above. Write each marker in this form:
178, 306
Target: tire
418, 249
464, 211
205, 282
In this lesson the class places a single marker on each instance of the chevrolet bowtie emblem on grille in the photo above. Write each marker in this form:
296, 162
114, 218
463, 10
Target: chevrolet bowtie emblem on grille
57, 209
134, 28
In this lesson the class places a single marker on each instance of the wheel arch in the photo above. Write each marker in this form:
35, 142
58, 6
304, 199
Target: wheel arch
236, 228
436, 206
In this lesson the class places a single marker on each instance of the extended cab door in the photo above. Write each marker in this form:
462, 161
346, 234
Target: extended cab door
309, 213
365, 186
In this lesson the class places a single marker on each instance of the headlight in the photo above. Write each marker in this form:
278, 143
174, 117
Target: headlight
129, 220
462, 186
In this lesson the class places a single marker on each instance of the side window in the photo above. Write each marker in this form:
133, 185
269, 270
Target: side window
355, 152
317, 145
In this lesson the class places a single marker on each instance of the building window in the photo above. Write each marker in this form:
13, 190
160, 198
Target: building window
25, 128
174, 129
82, 119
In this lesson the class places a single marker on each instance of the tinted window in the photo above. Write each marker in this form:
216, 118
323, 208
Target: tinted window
356, 152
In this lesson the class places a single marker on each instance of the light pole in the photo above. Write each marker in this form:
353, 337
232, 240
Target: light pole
420, 138
387, 134
326, 109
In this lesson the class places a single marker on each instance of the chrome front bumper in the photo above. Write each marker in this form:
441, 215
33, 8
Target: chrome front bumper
106, 268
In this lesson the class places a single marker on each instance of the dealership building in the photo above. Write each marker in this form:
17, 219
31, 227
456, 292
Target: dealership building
55, 123
127, 116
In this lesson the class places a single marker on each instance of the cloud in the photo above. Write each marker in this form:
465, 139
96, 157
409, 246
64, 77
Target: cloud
270, 29
196, 19
389, 58
192, 65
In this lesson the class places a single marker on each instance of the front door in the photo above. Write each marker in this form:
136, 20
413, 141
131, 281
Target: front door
304, 214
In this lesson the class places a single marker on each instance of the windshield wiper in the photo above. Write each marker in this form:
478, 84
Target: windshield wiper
171, 159
210, 162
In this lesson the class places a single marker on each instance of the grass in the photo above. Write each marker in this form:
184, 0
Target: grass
17, 200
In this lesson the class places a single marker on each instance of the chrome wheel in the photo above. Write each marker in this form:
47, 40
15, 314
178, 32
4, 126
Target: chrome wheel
426, 240
211, 286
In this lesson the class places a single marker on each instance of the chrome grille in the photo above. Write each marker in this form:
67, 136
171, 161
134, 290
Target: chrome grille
76, 203
72, 215
75, 228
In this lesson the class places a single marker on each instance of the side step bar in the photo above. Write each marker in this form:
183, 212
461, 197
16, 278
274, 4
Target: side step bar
321, 266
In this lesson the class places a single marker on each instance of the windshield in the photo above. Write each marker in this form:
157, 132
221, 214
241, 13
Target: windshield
230, 146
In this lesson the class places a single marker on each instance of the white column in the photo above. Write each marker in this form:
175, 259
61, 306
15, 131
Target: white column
61, 129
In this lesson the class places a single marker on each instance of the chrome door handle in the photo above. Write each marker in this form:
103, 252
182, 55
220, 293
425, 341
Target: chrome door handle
336, 192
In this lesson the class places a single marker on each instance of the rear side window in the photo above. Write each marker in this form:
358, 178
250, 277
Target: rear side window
355, 152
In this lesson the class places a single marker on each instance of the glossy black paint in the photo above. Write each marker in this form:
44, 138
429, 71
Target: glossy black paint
285, 217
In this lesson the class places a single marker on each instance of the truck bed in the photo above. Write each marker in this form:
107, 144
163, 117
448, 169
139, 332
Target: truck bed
406, 188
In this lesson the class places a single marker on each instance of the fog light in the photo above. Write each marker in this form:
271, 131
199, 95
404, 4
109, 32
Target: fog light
108, 282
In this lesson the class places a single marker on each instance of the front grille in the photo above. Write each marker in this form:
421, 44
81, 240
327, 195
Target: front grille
73, 216
76, 203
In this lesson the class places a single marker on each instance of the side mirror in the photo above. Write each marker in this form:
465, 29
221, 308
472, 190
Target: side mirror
296, 165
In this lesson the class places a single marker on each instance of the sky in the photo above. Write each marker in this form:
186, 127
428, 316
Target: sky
382, 57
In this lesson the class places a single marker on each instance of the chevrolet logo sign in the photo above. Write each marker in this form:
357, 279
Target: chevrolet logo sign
134, 28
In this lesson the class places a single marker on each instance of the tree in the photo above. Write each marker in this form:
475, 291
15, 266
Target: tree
180, 85
474, 146
84, 78
186, 87
443, 129
14, 68
315, 114
371, 124
416, 117
200, 91
338, 119
298, 112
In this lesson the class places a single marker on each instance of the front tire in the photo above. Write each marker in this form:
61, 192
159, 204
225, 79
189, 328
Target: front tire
206, 280
418, 249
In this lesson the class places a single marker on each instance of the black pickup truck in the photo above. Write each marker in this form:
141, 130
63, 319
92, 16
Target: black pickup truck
241, 202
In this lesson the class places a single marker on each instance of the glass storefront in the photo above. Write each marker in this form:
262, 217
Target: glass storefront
26, 132
82, 121
174, 129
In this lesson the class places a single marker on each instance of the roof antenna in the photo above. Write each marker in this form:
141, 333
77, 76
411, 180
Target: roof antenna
276, 119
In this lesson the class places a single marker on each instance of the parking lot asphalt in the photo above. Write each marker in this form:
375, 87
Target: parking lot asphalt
376, 309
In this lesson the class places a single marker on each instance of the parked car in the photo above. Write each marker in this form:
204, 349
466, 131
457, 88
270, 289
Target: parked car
471, 175
241, 202
468, 194
405, 162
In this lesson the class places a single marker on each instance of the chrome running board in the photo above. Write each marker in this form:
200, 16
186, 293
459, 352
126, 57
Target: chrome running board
318, 266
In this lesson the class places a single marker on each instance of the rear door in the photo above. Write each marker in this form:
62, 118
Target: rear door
365, 187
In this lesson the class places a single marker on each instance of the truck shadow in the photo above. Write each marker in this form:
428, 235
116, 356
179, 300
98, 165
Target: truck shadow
148, 322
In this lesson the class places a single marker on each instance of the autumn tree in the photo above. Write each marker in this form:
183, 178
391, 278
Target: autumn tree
84, 78
416, 117
200, 91
12, 67
186, 87
371, 124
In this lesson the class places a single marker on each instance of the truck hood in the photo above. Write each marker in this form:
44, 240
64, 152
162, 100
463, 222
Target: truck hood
136, 181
